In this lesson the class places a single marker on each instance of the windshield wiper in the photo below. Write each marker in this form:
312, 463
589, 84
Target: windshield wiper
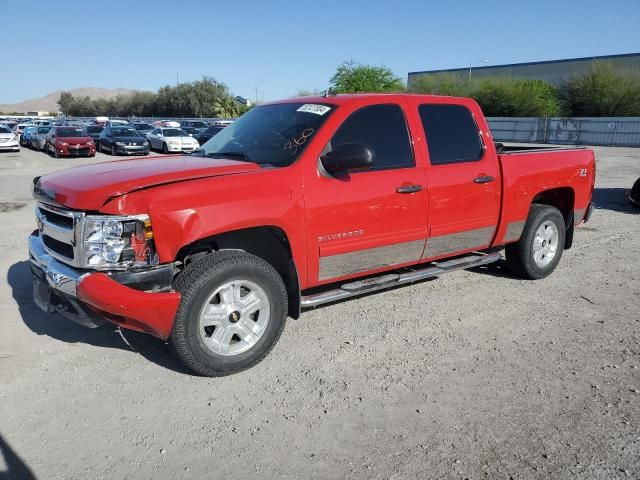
235, 155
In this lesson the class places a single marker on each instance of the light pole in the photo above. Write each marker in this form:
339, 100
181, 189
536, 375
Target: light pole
255, 86
475, 63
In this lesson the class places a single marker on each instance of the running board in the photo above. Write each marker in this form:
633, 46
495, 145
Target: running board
394, 279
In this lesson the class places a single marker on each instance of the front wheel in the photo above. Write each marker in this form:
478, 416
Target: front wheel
540, 247
165, 149
232, 312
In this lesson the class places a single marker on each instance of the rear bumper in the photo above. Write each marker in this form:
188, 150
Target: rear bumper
91, 298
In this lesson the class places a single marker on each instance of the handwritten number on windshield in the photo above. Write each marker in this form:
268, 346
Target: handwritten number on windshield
296, 142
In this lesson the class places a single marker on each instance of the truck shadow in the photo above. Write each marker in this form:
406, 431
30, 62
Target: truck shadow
614, 199
60, 328
16, 468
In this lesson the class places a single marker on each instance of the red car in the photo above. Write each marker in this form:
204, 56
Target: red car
296, 204
70, 141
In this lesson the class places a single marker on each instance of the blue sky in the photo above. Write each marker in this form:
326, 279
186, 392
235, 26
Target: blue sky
286, 46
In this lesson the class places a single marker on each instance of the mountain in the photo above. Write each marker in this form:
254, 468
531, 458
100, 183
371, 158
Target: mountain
49, 103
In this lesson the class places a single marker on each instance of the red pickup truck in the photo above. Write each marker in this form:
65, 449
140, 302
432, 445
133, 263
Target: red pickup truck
298, 203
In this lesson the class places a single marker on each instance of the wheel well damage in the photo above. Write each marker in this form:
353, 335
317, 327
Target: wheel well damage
269, 243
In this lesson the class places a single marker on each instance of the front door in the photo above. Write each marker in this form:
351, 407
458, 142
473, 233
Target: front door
374, 218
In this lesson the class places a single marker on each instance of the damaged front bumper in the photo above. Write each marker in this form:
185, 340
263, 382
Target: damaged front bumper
139, 300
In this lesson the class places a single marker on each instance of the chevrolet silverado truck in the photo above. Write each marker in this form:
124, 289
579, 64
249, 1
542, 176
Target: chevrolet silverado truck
298, 203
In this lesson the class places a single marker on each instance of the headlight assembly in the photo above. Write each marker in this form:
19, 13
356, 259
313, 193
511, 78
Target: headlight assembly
112, 241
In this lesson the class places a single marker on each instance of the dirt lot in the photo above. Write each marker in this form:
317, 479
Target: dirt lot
473, 375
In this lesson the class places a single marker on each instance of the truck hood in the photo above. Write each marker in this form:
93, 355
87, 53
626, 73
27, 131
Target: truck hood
91, 186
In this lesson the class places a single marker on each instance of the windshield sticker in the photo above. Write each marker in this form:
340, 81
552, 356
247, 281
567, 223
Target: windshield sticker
314, 108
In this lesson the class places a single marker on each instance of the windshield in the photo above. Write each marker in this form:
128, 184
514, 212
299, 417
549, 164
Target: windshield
173, 132
4, 130
70, 132
94, 129
213, 130
143, 126
198, 124
43, 129
270, 134
125, 132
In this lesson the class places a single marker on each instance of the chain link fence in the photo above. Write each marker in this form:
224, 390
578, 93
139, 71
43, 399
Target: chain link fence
605, 131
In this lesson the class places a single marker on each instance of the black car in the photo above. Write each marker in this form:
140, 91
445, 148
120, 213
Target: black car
205, 136
142, 127
94, 131
200, 125
191, 131
122, 141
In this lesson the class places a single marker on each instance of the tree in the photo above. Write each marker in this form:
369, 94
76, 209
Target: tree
603, 91
351, 77
440, 84
226, 107
65, 101
509, 97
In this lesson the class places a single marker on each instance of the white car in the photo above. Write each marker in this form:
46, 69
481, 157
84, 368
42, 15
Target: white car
171, 140
9, 140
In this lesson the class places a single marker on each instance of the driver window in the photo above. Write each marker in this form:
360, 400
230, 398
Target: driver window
383, 129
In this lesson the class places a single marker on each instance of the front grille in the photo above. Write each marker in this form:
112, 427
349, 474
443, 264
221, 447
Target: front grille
57, 219
78, 151
58, 247
61, 231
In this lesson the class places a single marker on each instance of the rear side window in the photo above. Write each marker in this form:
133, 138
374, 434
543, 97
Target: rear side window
382, 128
452, 134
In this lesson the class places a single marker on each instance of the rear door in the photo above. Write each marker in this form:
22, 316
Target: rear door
462, 174
374, 218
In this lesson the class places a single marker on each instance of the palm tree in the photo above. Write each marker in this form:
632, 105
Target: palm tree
226, 107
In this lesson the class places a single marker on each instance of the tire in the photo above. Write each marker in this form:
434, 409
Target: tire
195, 345
98, 147
634, 194
527, 257
165, 149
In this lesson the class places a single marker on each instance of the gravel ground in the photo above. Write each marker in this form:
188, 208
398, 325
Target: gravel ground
475, 374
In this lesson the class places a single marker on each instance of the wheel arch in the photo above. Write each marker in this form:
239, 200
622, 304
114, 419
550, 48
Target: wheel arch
562, 198
267, 242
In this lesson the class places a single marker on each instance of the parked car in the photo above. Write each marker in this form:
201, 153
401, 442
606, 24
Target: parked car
117, 123
634, 194
166, 123
39, 138
191, 131
19, 128
27, 133
8, 140
212, 253
142, 127
122, 141
65, 141
171, 140
220, 122
205, 136
199, 124
94, 132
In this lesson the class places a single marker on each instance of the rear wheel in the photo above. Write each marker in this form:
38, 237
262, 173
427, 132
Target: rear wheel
540, 247
232, 312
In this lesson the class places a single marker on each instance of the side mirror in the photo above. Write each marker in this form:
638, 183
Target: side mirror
348, 156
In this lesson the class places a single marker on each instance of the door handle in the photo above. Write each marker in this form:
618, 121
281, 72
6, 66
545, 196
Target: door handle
483, 179
409, 189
